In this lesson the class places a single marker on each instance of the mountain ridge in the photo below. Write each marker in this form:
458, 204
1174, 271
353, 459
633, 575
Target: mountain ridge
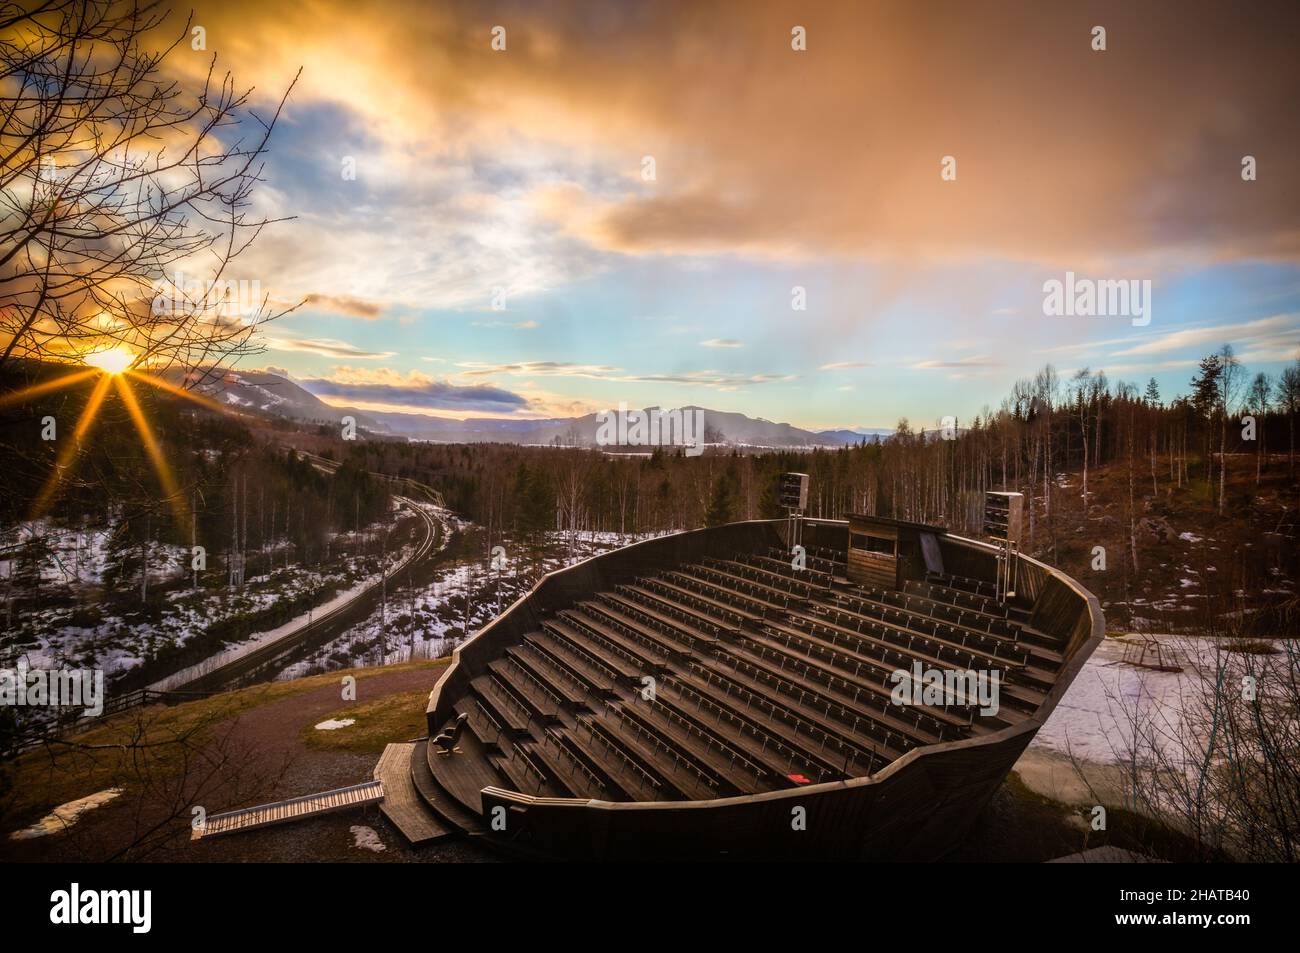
267, 392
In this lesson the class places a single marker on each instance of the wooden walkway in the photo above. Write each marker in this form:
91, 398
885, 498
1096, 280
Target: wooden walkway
294, 809
402, 804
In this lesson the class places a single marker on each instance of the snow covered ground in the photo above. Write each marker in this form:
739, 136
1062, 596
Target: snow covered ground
1094, 719
1112, 702
1086, 754
80, 556
334, 724
238, 651
366, 838
432, 621
79, 629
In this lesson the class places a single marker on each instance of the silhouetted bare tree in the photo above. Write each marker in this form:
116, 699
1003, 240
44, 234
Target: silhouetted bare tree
125, 194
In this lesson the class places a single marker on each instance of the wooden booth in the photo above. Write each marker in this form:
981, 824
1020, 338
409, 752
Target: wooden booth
884, 553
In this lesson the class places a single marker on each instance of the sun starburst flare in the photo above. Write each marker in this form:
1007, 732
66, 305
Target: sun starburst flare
70, 448
163, 471
27, 393
114, 367
170, 388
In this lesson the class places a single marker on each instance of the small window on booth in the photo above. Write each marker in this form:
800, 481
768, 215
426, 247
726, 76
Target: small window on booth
871, 544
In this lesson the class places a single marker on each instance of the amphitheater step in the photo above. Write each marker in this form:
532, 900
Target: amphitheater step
402, 804
450, 811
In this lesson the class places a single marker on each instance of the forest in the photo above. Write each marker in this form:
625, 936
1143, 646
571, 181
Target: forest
1045, 427
249, 501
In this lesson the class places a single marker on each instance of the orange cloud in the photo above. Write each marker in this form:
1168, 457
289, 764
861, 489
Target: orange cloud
1062, 153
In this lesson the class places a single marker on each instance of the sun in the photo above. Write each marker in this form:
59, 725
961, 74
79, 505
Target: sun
113, 361
112, 368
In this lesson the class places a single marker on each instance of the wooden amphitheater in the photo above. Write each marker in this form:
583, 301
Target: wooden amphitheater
697, 696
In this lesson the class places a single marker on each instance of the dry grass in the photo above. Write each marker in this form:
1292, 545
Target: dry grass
154, 741
397, 717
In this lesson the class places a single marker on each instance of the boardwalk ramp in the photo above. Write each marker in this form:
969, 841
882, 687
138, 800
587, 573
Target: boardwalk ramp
294, 809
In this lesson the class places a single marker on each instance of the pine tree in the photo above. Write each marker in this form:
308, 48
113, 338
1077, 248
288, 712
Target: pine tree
1259, 400
536, 512
722, 505
1152, 396
1205, 399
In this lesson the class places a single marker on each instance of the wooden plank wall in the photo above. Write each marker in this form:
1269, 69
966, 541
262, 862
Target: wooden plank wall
873, 569
870, 568
917, 811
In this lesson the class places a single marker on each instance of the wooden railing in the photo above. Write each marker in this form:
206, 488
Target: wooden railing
112, 706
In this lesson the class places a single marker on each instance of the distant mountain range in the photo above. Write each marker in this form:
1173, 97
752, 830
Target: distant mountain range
261, 391
264, 392
719, 428
855, 436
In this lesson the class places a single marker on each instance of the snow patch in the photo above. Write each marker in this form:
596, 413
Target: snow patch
332, 724
366, 838
65, 815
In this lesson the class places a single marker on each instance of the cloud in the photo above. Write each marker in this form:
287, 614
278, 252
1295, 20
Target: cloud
1268, 340
1118, 370
345, 305
1278, 331
722, 342
711, 378
964, 362
527, 165
413, 391
518, 325
326, 347
842, 365
604, 372
540, 369
521, 171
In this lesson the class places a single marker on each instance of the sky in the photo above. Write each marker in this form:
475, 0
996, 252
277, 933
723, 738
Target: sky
502, 249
